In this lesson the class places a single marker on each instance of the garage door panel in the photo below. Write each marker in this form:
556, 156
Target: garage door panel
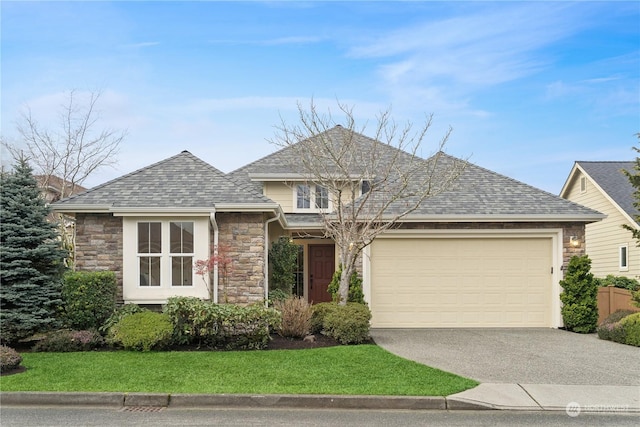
449, 282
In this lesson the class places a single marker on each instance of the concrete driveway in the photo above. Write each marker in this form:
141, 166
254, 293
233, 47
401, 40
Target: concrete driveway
530, 356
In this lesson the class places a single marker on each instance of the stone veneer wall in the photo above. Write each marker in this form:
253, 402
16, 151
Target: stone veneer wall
98, 245
241, 237
568, 229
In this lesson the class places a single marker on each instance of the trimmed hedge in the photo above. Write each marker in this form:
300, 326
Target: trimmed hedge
226, 326
143, 331
610, 328
348, 324
319, 312
118, 314
631, 327
89, 298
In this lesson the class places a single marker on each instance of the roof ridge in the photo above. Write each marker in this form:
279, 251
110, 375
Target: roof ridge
605, 161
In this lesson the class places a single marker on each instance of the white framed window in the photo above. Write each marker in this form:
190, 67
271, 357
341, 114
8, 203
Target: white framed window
149, 253
623, 256
162, 245
181, 253
303, 196
311, 198
158, 256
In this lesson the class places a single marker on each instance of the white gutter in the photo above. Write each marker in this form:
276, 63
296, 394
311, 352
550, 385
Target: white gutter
266, 257
214, 224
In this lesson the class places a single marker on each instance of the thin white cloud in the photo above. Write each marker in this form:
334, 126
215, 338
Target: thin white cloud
289, 40
488, 47
140, 45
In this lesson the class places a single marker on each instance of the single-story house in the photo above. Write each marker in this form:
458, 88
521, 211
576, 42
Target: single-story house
489, 252
604, 187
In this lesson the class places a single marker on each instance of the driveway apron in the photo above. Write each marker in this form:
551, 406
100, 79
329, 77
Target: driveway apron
517, 355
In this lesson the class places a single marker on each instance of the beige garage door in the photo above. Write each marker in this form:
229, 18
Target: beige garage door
461, 282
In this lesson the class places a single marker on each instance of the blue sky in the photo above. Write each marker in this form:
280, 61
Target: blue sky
528, 87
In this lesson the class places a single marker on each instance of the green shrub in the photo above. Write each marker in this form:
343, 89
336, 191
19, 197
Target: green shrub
631, 327
318, 313
283, 262
579, 297
118, 314
619, 282
635, 298
142, 331
89, 298
356, 294
296, 317
225, 326
67, 341
9, 359
348, 324
610, 328
277, 295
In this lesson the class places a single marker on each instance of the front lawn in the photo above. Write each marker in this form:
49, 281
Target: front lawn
363, 369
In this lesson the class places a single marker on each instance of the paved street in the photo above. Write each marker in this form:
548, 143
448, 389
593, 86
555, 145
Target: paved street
71, 417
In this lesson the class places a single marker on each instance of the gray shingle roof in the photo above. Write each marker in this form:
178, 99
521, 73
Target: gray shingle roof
286, 160
609, 176
181, 181
480, 193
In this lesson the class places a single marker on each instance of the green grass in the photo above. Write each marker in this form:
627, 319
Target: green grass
363, 369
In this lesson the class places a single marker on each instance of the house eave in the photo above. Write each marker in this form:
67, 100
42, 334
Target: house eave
247, 207
85, 208
502, 218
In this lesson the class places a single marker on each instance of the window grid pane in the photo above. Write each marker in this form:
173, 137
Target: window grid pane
322, 197
181, 271
303, 196
149, 237
149, 271
181, 236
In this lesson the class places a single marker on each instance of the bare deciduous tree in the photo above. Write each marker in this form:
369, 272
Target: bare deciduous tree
63, 158
71, 152
373, 183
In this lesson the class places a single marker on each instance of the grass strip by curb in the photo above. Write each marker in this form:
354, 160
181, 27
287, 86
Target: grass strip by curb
356, 370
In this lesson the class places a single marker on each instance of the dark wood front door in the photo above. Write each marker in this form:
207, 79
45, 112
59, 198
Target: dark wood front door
322, 264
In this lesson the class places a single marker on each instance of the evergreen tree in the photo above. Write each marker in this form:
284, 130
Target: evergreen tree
634, 179
31, 259
579, 296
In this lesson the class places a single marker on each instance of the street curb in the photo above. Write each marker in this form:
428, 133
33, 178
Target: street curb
310, 401
44, 398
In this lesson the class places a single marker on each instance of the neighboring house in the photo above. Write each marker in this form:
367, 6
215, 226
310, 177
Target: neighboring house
604, 187
53, 186
487, 253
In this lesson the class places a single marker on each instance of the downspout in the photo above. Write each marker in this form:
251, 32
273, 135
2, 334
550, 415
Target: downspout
266, 257
214, 224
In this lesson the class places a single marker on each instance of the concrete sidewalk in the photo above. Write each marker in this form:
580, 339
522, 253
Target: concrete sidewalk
525, 397
551, 397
